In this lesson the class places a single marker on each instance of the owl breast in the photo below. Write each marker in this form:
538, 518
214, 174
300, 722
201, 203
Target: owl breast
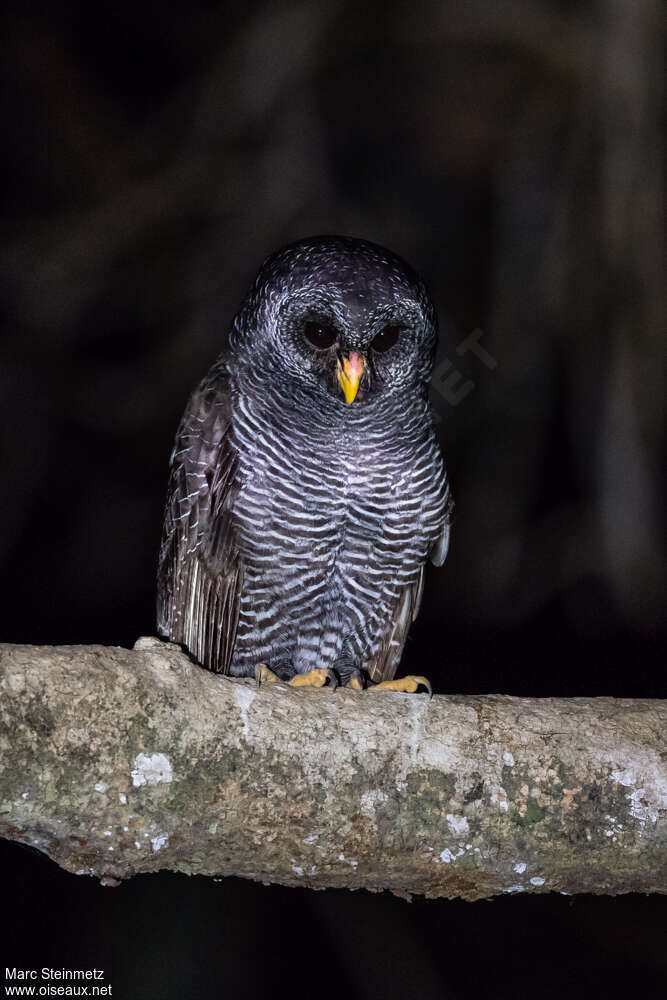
331, 526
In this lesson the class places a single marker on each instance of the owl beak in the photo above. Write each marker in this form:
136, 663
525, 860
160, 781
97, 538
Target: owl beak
349, 373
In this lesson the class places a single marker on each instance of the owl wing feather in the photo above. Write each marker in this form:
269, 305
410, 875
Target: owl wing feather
384, 664
200, 571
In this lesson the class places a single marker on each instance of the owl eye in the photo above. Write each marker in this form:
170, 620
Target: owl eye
385, 339
320, 335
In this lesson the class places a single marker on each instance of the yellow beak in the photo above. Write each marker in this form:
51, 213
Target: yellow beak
349, 375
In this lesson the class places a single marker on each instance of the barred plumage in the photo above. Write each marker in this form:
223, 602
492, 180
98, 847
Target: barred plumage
298, 522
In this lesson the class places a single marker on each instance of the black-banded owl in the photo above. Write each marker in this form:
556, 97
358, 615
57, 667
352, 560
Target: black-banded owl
307, 490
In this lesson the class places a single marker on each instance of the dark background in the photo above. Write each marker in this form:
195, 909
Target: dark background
510, 151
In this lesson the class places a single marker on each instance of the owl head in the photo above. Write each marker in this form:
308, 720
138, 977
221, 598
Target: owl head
338, 319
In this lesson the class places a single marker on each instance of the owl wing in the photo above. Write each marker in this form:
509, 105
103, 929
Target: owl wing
200, 572
384, 664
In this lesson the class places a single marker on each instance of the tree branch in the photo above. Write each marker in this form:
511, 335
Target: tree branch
116, 762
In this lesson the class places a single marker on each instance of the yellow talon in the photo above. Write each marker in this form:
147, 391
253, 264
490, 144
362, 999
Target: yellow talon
314, 678
265, 676
355, 681
409, 683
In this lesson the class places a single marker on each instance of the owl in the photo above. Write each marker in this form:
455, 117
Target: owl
307, 491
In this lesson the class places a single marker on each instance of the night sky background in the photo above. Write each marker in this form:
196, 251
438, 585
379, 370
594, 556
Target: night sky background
512, 153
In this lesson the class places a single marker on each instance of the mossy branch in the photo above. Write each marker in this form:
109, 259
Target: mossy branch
116, 762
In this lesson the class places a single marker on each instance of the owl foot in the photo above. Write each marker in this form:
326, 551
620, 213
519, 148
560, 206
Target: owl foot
355, 681
265, 676
409, 683
315, 678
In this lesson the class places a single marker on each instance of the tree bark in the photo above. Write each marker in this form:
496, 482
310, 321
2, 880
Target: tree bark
116, 762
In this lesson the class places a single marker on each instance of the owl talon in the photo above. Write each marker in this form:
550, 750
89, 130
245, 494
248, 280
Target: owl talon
263, 675
355, 681
315, 678
410, 683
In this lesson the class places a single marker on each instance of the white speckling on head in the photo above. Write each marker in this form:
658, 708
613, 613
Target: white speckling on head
457, 824
537, 880
151, 769
508, 758
519, 867
160, 841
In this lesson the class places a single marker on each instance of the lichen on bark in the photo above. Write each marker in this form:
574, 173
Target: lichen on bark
115, 762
